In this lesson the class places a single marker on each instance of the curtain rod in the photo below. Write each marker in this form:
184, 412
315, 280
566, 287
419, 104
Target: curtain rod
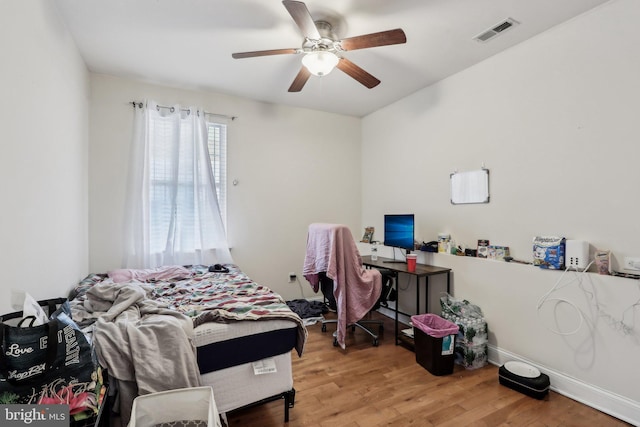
141, 104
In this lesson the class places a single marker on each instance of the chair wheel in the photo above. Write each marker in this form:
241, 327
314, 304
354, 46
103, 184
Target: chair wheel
335, 342
375, 342
324, 327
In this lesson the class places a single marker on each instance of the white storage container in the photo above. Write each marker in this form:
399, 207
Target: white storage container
194, 407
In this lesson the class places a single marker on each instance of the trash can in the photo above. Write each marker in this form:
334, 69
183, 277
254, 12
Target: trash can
434, 339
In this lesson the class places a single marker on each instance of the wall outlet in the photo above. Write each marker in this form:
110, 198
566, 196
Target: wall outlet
292, 277
631, 263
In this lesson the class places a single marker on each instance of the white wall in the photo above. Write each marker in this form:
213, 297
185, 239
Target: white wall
43, 154
293, 166
555, 119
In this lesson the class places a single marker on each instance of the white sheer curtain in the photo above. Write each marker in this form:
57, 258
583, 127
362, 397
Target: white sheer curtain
173, 217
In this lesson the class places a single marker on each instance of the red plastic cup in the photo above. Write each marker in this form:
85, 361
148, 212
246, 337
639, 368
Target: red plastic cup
411, 262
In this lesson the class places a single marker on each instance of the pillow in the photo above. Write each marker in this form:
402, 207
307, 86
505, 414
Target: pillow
163, 273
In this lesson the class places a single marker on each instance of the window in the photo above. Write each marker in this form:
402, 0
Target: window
163, 182
177, 197
217, 141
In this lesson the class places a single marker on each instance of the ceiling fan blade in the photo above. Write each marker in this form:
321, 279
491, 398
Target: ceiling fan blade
300, 80
300, 14
357, 73
382, 38
264, 53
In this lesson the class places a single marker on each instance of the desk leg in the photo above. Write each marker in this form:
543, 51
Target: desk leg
417, 295
395, 279
426, 294
449, 282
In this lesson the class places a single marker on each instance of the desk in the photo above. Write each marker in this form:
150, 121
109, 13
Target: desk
422, 270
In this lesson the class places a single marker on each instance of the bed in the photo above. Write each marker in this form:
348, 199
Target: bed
243, 333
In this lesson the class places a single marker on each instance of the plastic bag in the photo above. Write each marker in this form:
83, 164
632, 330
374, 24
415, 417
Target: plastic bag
32, 309
191, 406
434, 325
453, 307
471, 342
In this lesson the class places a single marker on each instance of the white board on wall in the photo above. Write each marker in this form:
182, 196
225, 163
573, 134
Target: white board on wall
470, 187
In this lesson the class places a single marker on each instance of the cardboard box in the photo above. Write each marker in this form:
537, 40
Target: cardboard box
483, 248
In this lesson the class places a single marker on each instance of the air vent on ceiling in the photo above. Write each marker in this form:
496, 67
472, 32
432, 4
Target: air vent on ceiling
496, 30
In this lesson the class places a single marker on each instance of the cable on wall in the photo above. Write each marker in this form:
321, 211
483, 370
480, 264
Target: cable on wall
580, 276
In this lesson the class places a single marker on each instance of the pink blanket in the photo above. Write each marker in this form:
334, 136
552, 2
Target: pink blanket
332, 250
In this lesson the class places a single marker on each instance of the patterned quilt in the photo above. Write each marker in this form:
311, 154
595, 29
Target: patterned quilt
217, 297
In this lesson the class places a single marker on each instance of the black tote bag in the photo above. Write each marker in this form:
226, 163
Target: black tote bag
51, 363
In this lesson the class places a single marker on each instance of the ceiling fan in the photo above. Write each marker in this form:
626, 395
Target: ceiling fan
322, 51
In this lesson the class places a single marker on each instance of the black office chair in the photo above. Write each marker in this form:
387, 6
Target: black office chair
388, 294
333, 265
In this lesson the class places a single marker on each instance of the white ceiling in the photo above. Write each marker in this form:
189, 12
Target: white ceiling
188, 43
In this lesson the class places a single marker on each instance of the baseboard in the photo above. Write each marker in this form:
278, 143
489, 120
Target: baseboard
610, 403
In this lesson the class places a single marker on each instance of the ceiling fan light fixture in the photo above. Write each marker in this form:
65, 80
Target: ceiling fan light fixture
322, 49
320, 63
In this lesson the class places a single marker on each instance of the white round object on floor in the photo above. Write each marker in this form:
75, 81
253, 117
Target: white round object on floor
522, 369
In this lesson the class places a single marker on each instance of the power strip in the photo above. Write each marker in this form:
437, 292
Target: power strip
576, 254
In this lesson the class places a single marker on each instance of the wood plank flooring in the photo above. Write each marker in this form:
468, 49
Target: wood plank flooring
366, 386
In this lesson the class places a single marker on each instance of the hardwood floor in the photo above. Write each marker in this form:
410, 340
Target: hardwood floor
366, 386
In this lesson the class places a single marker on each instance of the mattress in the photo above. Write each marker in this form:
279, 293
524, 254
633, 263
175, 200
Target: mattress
222, 345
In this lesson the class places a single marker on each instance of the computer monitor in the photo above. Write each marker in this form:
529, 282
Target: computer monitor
399, 231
